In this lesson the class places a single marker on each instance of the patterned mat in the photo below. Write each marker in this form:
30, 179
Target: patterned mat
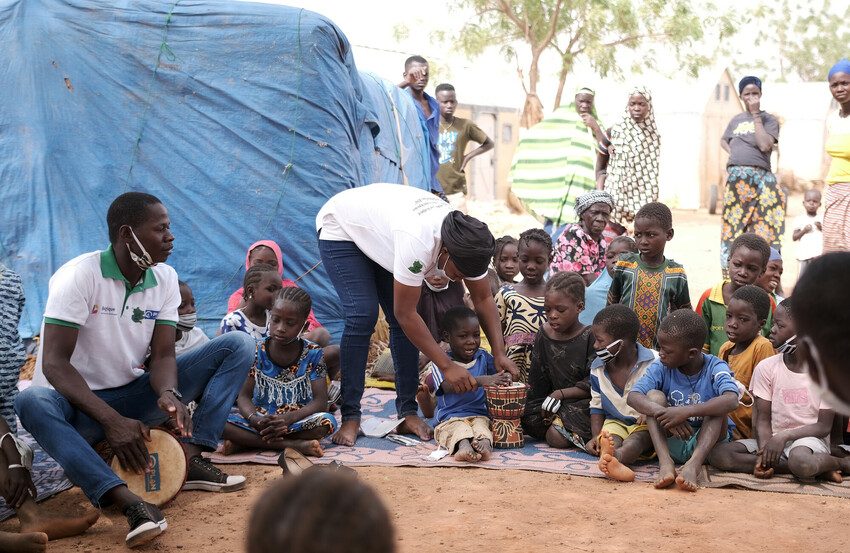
47, 475
781, 483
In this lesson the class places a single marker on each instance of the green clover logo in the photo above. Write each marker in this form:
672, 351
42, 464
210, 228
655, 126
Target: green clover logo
138, 315
416, 268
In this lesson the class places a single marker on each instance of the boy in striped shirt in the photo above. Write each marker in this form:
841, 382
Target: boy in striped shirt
620, 436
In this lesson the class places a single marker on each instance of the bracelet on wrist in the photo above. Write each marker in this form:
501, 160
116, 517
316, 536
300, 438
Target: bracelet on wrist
17, 466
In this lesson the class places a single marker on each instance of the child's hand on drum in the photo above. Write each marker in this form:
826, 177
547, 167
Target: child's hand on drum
177, 411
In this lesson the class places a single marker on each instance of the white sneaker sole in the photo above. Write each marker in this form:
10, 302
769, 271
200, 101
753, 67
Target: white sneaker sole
233, 484
145, 533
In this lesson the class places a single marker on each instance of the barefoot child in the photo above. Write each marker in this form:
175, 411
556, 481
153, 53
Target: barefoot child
284, 399
793, 423
686, 396
261, 285
188, 335
619, 436
521, 305
557, 408
748, 257
648, 283
748, 309
505, 263
463, 427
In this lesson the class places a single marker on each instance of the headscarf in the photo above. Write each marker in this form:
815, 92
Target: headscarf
590, 91
584, 202
843, 66
633, 168
774, 255
749, 79
469, 243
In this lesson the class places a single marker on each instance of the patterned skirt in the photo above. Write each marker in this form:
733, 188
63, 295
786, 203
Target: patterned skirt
836, 218
753, 202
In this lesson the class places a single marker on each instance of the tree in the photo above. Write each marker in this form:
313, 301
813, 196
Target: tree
593, 30
804, 38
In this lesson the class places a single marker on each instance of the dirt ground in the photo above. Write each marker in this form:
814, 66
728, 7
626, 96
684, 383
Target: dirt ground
438, 509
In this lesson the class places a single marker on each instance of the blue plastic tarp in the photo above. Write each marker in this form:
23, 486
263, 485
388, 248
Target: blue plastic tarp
243, 118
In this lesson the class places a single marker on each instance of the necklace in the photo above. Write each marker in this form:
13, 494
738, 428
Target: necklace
444, 128
694, 398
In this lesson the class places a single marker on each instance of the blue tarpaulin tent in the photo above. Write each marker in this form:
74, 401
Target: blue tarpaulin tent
243, 118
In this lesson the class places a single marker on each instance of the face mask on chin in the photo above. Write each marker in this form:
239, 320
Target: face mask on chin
822, 384
606, 354
187, 322
790, 345
143, 261
442, 273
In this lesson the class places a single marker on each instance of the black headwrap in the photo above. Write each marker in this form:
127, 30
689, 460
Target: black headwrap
469, 242
748, 80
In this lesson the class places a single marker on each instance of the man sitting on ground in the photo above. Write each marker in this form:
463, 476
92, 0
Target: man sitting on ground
104, 311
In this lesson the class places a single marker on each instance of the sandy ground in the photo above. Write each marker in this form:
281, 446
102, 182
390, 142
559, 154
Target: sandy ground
439, 509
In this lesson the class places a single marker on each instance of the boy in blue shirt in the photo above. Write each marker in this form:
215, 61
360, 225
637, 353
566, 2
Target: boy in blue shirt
463, 426
686, 396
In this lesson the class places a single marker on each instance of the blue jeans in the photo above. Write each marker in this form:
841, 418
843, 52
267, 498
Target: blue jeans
362, 285
211, 374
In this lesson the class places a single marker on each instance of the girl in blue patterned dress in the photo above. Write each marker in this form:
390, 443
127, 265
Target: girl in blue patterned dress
283, 402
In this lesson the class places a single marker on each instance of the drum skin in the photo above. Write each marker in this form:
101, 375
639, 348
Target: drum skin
166, 477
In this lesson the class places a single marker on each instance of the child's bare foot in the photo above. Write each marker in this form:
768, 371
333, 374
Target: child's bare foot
33, 542
761, 472
347, 433
413, 424
687, 479
484, 448
465, 453
666, 477
832, 476
606, 444
612, 468
310, 448
55, 527
230, 447
843, 464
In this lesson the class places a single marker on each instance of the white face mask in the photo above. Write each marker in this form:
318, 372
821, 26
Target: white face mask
790, 345
822, 385
187, 322
434, 288
144, 261
605, 353
441, 272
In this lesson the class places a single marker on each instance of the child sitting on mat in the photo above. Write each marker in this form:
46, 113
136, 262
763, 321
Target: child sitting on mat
791, 421
284, 399
463, 426
557, 408
746, 314
261, 285
188, 335
686, 397
620, 436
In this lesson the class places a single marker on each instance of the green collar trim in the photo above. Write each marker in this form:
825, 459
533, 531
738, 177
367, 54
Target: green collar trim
109, 269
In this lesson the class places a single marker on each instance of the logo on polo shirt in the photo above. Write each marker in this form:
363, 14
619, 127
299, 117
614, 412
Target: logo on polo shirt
146, 315
103, 310
416, 268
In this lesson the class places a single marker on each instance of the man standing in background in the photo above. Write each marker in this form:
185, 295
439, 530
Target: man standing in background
415, 80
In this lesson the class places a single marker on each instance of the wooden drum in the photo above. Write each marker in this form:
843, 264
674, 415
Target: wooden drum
168, 474
506, 405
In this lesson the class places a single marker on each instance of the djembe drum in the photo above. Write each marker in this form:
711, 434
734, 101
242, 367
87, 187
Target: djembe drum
167, 475
506, 405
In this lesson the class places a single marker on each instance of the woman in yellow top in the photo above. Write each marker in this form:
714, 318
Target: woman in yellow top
836, 218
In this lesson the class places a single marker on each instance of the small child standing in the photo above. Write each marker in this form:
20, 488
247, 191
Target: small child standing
618, 435
505, 263
261, 285
748, 310
793, 423
463, 427
808, 230
12, 352
188, 335
557, 408
748, 258
686, 396
520, 305
596, 295
650, 284
284, 399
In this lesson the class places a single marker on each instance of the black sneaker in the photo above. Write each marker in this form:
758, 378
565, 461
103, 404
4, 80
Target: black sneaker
146, 523
205, 476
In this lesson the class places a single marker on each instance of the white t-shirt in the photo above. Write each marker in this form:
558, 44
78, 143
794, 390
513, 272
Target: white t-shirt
810, 244
794, 400
189, 340
396, 226
115, 323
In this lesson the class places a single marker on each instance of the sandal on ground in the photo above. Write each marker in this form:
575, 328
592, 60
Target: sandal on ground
293, 462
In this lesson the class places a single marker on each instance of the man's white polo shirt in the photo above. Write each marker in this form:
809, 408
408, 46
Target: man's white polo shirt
115, 319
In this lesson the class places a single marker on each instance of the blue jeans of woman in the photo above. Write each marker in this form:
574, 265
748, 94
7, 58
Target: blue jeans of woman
362, 285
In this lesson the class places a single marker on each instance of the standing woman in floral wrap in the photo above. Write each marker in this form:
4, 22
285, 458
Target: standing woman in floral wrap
753, 201
632, 150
